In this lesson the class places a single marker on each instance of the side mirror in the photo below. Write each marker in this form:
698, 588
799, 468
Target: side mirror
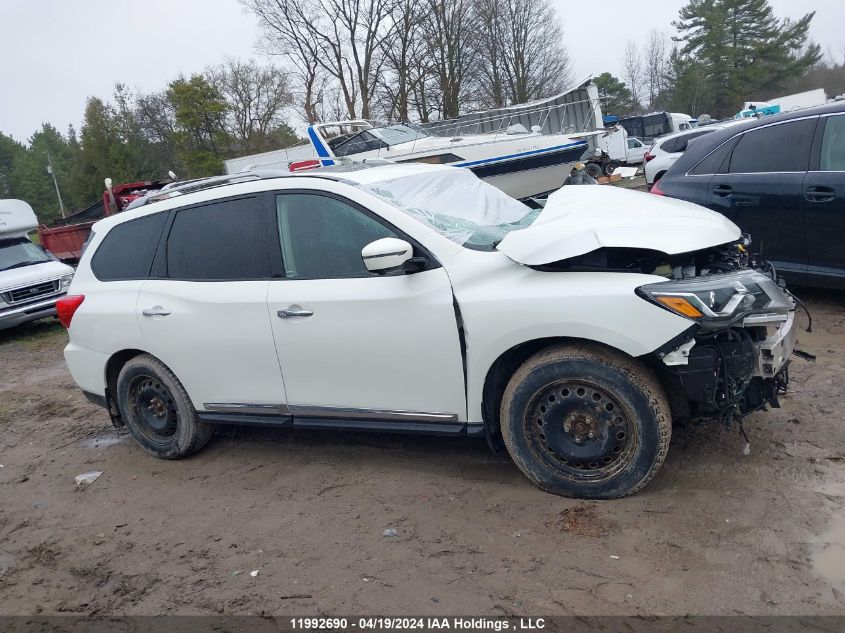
386, 254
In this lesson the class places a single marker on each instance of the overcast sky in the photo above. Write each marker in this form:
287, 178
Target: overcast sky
55, 53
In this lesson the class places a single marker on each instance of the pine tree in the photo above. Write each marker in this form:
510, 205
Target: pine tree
743, 48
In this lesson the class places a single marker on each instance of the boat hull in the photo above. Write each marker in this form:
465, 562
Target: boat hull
532, 174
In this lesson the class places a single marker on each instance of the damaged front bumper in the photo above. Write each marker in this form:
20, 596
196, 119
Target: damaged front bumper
729, 373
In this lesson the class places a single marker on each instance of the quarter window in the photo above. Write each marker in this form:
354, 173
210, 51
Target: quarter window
713, 163
833, 145
322, 237
776, 148
127, 251
225, 240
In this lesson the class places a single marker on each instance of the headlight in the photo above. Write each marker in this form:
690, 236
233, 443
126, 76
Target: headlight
718, 301
65, 281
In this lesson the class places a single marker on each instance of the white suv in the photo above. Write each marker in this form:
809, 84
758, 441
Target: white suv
418, 298
667, 149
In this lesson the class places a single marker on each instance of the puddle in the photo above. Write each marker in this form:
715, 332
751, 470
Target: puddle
103, 441
829, 552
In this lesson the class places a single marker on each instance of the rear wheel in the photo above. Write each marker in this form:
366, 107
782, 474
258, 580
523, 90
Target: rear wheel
610, 166
585, 421
157, 410
593, 170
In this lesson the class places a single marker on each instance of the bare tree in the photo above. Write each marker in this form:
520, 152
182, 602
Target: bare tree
450, 27
403, 52
286, 32
536, 61
491, 81
632, 73
257, 97
344, 37
654, 62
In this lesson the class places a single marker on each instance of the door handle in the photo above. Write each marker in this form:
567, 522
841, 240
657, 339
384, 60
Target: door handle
819, 194
722, 191
294, 311
155, 311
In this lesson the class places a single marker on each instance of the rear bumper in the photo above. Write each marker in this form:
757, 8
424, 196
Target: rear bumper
11, 317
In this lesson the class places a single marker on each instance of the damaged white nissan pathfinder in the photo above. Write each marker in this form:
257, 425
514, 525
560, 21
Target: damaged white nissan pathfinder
417, 298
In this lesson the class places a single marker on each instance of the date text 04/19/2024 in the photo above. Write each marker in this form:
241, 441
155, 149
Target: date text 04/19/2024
418, 623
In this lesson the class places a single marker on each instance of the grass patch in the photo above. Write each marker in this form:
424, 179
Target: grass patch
34, 334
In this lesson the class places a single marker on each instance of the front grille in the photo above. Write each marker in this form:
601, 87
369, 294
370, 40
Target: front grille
29, 293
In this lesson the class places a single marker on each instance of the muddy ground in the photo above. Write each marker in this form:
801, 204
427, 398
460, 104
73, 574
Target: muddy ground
716, 532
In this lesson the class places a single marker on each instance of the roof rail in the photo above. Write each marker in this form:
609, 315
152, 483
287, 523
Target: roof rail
199, 184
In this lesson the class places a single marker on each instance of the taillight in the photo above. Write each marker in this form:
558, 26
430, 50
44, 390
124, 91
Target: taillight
66, 307
647, 157
657, 191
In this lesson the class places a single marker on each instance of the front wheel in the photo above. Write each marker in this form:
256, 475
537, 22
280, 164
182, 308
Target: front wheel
157, 410
586, 421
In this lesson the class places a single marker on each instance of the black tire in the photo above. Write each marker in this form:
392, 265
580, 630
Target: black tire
593, 170
562, 394
157, 410
610, 166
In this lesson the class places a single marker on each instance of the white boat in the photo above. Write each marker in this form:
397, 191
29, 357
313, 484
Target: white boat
520, 162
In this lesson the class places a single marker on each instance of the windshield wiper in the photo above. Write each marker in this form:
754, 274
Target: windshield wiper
22, 264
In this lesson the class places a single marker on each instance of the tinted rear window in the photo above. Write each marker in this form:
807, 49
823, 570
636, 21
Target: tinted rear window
225, 240
777, 148
127, 250
713, 163
679, 143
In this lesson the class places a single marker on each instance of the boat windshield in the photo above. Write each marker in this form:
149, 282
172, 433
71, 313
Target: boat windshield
397, 134
457, 204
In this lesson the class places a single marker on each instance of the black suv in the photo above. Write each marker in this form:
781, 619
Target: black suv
781, 179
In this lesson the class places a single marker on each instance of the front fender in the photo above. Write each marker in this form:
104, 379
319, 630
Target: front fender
504, 305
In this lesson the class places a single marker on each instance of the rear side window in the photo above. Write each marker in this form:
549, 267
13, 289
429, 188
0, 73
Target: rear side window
777, 148
680, 143
669, 145
833, 145
714, 162
127, 251
222, 241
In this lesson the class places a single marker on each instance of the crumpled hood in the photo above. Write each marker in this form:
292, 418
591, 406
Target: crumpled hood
580, 219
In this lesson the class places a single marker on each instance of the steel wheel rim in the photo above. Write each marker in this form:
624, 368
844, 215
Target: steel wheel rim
580, 430
153, 409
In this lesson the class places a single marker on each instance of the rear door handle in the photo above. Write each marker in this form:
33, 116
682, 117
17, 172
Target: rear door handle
819, 194
722, 190
294, 311
155, 311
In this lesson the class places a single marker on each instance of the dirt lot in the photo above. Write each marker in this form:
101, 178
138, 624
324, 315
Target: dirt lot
716, 532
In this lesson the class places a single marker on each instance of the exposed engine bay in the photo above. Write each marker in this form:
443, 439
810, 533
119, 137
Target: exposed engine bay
734, 359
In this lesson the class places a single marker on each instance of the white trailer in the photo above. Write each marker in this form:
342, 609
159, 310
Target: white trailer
800, 100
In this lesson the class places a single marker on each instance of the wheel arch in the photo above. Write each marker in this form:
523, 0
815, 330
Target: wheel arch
113, 366
502, 369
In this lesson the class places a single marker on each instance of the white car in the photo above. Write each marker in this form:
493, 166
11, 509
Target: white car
667, 149
31, 281
418, 298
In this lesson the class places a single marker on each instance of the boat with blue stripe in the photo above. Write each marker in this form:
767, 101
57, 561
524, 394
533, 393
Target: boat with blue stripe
520, 162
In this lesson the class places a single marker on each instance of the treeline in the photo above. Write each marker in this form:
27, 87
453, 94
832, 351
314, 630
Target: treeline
190, 127
414, 59
407, 60
723, 53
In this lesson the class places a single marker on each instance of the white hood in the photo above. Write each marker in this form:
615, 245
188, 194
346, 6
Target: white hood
31, 275
580, 219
